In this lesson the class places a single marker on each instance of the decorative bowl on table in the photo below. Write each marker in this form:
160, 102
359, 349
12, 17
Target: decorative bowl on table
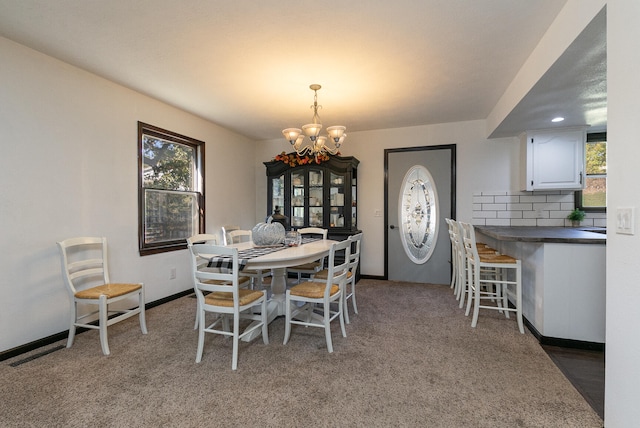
267, 234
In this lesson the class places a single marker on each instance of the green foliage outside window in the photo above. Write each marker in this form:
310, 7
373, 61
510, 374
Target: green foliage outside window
594, 195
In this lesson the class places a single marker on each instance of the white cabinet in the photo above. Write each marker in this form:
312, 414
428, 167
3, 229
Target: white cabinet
553, 159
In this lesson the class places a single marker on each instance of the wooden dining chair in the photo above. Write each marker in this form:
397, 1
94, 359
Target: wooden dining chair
85, 270
216, 296
202, 263
314, 267
350, 286
257, 276
301, 300
225, 232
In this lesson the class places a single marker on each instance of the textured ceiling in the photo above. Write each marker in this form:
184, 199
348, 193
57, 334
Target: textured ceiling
247, 65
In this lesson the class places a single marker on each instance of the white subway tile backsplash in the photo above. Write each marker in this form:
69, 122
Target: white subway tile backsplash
523, 222
561, 198
498, 222
600, 222
546, 206
558, 214
520, 207
494, 207
507, 199
535, 214
550, 222
510, 214
483, 199
536, 198
513, 208
484, 214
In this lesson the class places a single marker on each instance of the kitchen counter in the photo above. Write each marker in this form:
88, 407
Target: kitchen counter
567, 235
563, 279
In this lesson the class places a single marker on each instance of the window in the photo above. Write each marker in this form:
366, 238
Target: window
170, 191
593, 198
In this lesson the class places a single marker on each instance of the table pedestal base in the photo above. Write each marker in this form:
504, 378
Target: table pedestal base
275, 305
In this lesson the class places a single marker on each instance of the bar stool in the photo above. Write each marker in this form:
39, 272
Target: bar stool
455, 256
488, 278
462, 289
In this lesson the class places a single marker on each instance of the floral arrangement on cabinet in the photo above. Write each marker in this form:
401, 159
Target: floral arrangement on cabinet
294, 159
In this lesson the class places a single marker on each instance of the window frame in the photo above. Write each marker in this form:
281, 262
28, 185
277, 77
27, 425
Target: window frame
198, 146
591, 138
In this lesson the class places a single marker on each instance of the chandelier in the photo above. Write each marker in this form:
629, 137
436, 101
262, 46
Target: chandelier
318, 144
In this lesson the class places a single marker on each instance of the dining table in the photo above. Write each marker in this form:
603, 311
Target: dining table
277, 259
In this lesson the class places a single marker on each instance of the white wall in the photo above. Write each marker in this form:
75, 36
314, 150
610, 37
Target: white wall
68, 167
622, 375
481, 165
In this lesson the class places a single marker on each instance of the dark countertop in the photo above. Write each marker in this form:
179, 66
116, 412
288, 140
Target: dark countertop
569, 235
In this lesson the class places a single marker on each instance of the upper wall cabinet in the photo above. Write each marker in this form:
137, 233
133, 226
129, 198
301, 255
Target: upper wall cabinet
553, 159
318, 195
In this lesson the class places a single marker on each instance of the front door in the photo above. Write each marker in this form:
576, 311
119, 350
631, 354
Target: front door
403, 235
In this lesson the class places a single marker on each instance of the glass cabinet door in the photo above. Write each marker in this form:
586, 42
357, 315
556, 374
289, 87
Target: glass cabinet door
316, 200
337, 200
354, 188
277, 193
298, 197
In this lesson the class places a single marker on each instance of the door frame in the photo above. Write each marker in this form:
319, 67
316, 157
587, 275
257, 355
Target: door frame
452, 215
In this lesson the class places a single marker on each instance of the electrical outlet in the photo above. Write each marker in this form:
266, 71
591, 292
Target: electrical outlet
172, 273
377, 213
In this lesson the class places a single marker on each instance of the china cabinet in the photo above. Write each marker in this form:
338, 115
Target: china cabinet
553, 159
315, 195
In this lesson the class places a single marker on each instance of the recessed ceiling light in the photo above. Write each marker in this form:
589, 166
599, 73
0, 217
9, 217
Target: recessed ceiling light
557, 119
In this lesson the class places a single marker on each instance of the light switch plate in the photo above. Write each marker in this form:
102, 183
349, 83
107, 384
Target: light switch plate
624, 221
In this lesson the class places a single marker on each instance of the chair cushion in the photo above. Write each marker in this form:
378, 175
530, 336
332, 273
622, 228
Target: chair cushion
323, 274
109, 290
313, 290
497, 258
241, 281
485, 250
306, 266
223, 298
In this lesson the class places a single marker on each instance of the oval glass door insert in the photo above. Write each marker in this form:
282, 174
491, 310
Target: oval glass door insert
418, 214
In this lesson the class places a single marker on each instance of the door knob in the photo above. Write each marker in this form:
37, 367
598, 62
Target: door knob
392, 227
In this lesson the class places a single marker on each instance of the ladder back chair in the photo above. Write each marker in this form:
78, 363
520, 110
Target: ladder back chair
257, 276
311, 268
225, 301
85, 271
202, 263
225, 233
301, 299
350, 286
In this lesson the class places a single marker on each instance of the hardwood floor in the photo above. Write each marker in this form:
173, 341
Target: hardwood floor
584, 369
